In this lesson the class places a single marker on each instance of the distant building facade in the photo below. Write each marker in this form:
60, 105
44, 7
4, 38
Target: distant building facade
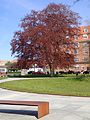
82, 51
3, 69
3, 62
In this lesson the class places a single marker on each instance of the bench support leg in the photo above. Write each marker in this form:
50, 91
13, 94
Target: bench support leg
43, 109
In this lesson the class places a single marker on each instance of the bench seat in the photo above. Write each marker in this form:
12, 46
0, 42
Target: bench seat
43, 107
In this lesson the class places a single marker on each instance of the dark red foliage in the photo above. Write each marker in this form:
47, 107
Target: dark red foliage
45, 37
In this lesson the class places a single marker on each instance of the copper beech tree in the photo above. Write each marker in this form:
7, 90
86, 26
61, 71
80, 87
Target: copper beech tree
45, 38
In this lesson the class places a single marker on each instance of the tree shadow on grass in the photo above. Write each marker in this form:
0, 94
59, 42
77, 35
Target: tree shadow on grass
80, 78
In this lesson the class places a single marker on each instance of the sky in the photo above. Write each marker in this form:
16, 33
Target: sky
12, 11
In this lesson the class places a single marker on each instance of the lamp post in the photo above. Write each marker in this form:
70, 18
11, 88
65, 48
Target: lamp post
34, 67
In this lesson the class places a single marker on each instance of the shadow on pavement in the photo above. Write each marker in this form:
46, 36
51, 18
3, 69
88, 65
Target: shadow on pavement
22, 112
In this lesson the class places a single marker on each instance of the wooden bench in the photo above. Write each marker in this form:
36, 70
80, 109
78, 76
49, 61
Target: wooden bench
43, 107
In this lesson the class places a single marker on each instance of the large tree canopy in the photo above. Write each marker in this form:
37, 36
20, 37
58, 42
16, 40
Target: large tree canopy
45, 37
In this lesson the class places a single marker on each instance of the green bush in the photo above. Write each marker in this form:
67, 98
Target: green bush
29, 75
34, 75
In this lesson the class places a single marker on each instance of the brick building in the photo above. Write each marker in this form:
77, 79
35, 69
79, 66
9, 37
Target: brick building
82, 51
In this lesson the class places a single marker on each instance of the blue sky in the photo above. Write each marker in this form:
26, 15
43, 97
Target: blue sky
12, 11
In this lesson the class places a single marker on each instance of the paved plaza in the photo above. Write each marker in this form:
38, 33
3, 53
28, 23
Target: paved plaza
61, 107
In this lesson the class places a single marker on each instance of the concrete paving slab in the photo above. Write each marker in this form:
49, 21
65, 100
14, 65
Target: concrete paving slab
61, 107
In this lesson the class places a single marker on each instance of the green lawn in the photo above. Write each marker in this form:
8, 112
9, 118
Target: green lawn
79, 86
1, 78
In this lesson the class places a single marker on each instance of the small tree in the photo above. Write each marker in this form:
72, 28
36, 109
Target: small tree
45, 38
11, 66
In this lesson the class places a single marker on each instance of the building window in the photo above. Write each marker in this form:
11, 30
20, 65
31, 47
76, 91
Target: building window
85, 30
76, 59
67, 44
85, 36
68, 59
85, 51
2, 70
75, 37
68, 51
67, 37
75, 51
85, 59
85, 44
76, 44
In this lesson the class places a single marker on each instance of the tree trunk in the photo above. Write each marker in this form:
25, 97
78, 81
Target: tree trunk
51, 69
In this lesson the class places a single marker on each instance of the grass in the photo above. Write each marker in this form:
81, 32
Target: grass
75, 86
1, 78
